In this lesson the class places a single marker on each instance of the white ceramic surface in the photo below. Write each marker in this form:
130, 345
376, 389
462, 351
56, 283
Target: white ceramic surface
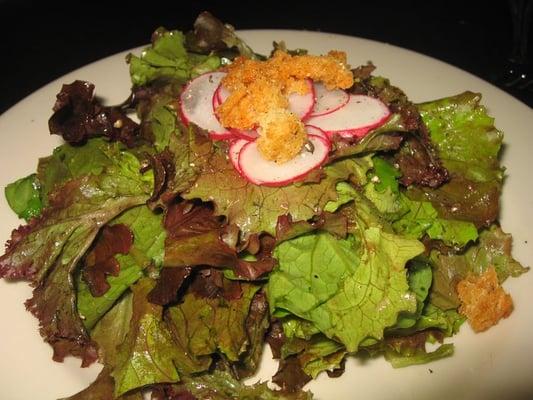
496, 364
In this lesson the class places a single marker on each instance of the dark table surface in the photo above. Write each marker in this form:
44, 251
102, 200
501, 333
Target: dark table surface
40, 44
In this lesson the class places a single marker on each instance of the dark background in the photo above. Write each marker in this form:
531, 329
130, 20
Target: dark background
40, 43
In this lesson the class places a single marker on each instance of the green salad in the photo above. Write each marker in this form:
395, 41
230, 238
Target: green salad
164, 246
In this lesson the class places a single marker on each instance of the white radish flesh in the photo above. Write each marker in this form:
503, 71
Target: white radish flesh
260, 171
301, 105
327, 101
196, 102
355, 119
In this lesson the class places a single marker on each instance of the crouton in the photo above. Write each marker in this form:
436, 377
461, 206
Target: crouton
483, 300
282, 135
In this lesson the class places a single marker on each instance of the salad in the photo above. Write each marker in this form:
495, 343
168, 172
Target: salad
287, 199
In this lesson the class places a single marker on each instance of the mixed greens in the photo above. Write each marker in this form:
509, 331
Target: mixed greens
150, 253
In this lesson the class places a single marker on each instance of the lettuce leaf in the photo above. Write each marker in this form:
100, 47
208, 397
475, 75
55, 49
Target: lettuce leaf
205, 326
109, 333
405, 356
315, 355
148, 354
420, 277
24, 197
221, 385
468, 144
168, 58
410, 217
255, 209
47, 250
336, 284
148, 248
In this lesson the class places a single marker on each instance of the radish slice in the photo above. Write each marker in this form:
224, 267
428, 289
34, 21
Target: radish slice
301, 105
268, 173
196, 102
234, 150
355, 119
313, 130
327, 101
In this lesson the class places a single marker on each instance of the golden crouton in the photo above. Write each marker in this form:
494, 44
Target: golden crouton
484, 302
261, 87
282, 135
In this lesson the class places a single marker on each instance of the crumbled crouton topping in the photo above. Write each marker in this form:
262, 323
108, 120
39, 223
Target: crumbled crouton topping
484, 302
261, 87
280, 130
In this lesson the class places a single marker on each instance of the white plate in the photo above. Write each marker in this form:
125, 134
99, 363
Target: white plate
496, 364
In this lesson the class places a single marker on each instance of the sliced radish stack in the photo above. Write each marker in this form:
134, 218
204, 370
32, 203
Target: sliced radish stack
355, 119
260, 171
234, 150
328, 101
196, 103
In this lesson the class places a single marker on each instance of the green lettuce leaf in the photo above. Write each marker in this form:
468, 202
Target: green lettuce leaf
147, 228
162, 120
90, 308
96, 157
256, 325
205, 326
168, 58
468, 145
336, 284
148, 248
401, 357
315, 355
148, 354
221, 385
412, 218
420, 276
422, 218
24, 197
448, 322
109, 333
86, 202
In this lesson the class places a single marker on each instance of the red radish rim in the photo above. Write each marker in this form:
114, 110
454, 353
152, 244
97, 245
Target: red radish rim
218, 94
215, 102
242, 134
347, 99
296, 178
222, 136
